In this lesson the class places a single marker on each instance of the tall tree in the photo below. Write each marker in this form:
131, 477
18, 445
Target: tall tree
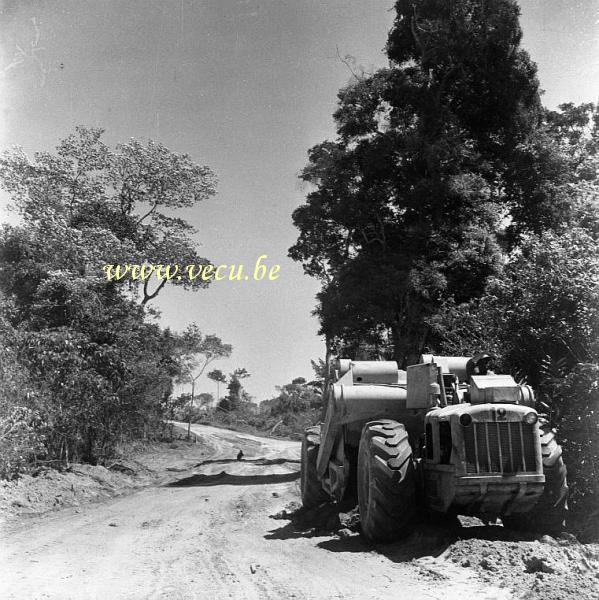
218, 377
198, 351
407, 201
545, 301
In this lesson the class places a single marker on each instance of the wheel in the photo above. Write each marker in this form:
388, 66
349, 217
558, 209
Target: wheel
386, 481
312, 492
550, 511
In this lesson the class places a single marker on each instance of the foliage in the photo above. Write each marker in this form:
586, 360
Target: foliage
197, 352
546, 303
295, 397
217, 375
236, 395
81, 353
408, 200
88, 205
190, 414
20, 440
576, 398
90, 390
296, 406
205, 399
552, 180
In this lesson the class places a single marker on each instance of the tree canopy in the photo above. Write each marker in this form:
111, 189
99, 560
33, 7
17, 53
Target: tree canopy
408, 201
87, 205
87, 362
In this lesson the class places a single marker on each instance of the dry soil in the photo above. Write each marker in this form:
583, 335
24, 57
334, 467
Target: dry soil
195, 523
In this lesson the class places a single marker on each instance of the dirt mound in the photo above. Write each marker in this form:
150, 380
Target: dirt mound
545, 568
49, 489
140, 464
535, 568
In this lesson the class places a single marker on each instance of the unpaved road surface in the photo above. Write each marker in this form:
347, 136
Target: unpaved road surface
216, 530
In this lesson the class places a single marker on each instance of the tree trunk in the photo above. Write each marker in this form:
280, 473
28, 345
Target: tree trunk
193, 387
409, 337
327, 378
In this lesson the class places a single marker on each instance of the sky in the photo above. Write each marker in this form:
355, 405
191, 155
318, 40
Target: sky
245, 87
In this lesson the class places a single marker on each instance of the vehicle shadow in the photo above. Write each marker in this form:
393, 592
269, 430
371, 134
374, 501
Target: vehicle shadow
431, 536
224, 478
322, 520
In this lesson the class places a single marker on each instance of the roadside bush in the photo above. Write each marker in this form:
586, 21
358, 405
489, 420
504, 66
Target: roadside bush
21, 440
576, 402
297, 406
187, 413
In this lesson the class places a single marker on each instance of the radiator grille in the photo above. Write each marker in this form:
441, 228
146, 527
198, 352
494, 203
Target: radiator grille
499, 447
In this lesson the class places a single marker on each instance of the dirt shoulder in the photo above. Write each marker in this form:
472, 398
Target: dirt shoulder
140, 465
513, 563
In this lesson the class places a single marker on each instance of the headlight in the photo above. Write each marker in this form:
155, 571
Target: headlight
530, 418
465, 420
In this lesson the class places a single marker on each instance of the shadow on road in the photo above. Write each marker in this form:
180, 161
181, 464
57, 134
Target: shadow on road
253, 461
224, 478
424, 541
432, 535
313, 522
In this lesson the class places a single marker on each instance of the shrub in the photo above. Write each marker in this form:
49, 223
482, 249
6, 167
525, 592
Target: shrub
20, 440
576, 400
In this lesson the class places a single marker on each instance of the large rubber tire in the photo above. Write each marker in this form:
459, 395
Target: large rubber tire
386, 481
549, 514
312, 493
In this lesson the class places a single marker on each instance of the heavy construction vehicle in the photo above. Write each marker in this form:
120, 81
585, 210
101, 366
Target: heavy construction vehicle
448, 435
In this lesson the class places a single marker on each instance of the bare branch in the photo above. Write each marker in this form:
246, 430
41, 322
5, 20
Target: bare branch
346, 62
139, 221
147, 296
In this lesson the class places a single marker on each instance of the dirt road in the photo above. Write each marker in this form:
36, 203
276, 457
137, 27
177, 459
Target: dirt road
209, 533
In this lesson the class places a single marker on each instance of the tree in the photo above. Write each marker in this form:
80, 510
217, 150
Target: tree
296, 397
408, 201
545, 301
545, 304
206, 399
552, 178
21, 426
236, 394
296, 406
576, 398
197, 353
87, 206
219, 377
90, 366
